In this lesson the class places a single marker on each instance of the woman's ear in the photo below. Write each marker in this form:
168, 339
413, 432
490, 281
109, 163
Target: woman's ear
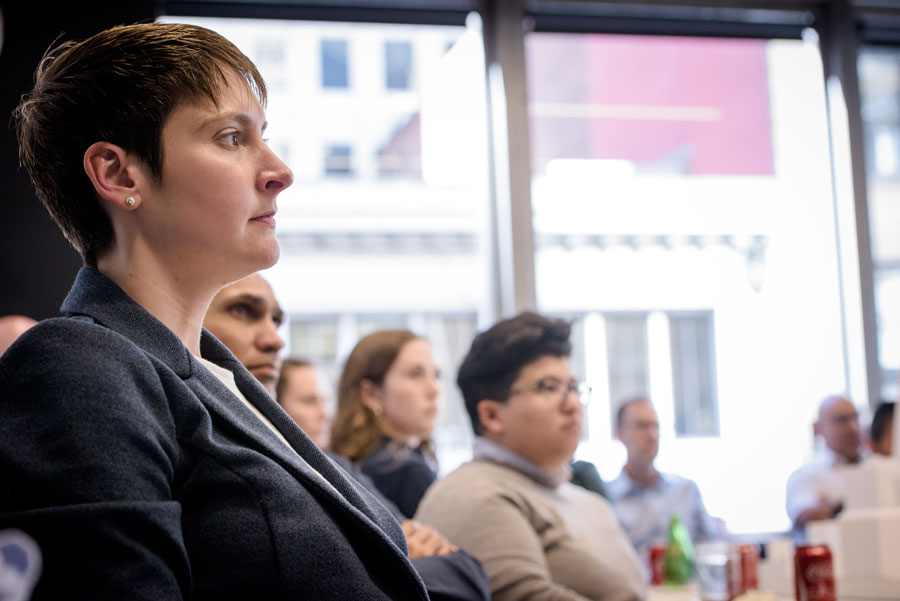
110, 170
490, 414
370, 395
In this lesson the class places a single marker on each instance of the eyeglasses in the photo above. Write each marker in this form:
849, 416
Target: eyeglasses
554, 389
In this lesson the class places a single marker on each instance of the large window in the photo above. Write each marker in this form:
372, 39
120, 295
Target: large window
681, 195
682, 211
385, 223
879, 81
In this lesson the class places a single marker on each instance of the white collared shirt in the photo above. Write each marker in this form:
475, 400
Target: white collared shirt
817, 480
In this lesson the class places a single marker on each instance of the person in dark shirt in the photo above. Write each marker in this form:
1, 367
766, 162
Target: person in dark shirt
139, 455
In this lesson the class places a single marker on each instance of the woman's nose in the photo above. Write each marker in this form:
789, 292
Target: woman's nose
277, 175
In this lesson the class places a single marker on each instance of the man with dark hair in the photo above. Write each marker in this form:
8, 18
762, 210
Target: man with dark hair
644, 498
513, 507
881, 432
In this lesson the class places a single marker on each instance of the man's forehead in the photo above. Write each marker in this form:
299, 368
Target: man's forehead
640, 410
835, 407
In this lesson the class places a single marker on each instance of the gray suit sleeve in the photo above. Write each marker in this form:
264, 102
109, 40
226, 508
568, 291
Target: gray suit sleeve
87, 454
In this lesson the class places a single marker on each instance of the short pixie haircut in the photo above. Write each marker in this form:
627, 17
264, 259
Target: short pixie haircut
498, 355
117, 86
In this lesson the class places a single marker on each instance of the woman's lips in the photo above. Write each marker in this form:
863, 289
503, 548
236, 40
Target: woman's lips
265, 219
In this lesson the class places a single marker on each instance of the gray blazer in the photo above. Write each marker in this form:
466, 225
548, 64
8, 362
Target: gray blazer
141, 476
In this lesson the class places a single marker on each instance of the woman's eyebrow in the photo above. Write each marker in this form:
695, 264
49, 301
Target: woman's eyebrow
242, 119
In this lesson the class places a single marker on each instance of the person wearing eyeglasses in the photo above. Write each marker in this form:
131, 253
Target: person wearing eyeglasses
815, 491
645, 498
537, 535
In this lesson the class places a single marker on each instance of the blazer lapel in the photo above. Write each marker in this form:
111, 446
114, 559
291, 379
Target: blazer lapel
306, 461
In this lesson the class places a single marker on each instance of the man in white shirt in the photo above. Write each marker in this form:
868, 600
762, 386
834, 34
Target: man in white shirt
816, 491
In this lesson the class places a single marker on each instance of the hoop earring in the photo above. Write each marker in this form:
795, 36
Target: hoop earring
130, 202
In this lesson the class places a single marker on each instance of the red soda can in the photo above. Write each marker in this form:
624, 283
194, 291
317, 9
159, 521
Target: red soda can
657, 555
749, 568
814, 574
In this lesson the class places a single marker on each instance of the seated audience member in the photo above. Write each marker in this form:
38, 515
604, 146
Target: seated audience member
815, 491
142, 458
386, 410
537, 535
11, 327
247, 315
302, 393
644, 498
881, 432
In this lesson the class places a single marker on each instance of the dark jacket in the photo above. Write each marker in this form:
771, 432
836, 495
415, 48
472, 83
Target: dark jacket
456, 576
401, 473
141, 476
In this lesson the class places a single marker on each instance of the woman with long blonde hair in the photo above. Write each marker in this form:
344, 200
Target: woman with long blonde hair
387, 405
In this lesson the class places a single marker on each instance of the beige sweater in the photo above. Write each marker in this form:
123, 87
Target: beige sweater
535, 542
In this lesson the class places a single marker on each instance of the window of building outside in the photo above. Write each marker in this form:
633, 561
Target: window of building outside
879, 83
397, 65
335, 67
628, 370
270, 53
683, 209
693, 374
338, 160
398, 238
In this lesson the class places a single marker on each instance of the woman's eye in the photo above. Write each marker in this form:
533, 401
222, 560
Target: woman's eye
232, 138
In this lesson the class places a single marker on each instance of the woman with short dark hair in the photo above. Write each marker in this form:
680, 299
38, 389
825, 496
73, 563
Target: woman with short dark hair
143, 458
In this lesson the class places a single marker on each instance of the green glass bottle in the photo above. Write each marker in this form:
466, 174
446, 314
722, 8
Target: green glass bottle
678, 562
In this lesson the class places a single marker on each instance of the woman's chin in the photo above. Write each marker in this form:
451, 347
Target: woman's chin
266, 256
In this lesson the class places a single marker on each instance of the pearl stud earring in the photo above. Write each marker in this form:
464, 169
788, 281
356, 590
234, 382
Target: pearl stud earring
130, 201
